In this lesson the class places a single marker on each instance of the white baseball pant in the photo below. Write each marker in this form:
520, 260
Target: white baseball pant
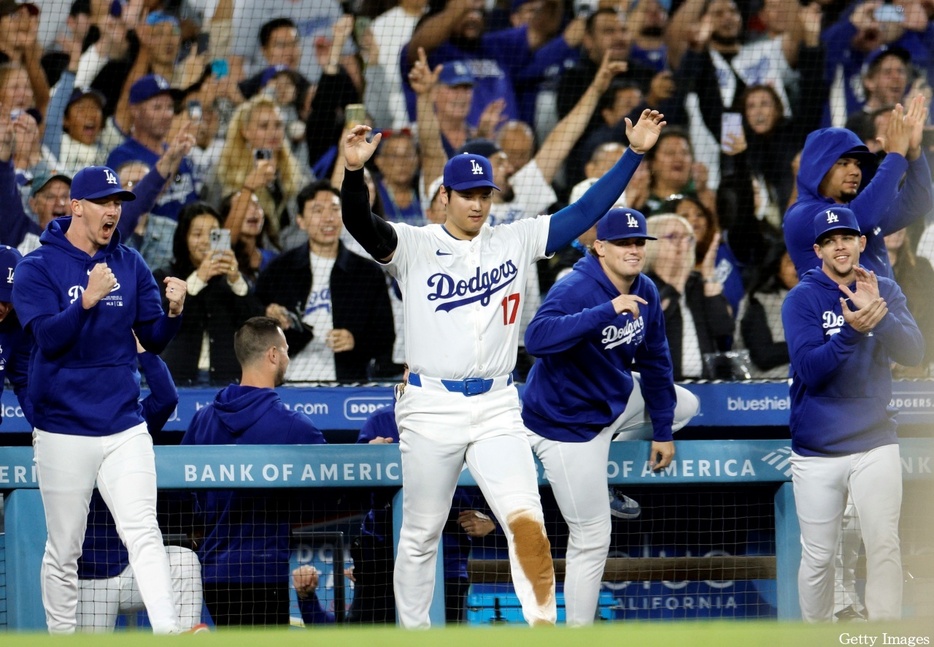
846, 560
101, 601
580, 484
123, 466
873, 481
438, 432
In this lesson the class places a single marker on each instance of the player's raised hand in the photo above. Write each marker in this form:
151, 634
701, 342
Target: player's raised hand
867, 317
915, 120
644, 134
867, 288
101, 281
357, 150
897, 133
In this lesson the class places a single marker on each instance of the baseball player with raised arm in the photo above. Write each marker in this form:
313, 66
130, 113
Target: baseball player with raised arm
844, 328
597, 325
462, 284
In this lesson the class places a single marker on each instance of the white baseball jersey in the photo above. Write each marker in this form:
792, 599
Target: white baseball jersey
463, 298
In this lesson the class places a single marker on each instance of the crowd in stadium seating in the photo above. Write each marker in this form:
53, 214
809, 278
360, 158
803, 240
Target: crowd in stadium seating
240, 106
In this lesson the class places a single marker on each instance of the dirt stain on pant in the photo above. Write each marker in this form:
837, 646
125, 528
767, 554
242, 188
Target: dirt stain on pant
534, 553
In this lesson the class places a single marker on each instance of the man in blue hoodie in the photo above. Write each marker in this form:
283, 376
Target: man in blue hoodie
841, 321
838, 169
245, 550
597, 325
81, 296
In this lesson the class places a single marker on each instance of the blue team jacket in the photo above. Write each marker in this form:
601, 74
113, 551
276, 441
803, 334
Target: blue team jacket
83, 377
841, 380
879, 206
247, 532
583, 378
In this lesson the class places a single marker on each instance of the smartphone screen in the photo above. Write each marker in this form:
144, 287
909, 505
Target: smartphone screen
731, 125
195, 111
220, 240
219, 68
262, 154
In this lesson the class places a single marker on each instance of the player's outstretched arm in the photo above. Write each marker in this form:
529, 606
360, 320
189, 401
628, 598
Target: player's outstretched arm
575, 219
373, 233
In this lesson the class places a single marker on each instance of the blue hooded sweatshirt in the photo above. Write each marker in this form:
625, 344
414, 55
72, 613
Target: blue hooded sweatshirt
247, 533
841, 380
880, 207
83, 377
583, 378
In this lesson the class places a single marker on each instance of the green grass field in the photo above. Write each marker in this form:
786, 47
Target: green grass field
670, 634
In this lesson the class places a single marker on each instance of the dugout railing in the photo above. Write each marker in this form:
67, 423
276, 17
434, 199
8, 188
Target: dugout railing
699, 464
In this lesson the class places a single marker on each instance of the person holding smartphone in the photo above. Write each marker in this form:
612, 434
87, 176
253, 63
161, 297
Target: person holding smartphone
219, 300
256, 160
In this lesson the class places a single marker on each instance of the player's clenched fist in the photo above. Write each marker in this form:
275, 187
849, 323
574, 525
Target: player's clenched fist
101, 281
175, 291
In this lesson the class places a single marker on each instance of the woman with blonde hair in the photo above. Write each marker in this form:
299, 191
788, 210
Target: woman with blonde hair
256, 160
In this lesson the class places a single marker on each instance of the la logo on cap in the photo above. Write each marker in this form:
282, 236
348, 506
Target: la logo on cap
9, 275
631, 221
111, 178
832, 217
476, 168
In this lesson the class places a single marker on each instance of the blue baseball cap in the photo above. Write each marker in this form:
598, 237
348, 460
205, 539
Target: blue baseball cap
150, 86
833, 219
456, 73
95, 182
620, 223
157, 17
79, 93
9, 257
480, 146
273, 71
466, 171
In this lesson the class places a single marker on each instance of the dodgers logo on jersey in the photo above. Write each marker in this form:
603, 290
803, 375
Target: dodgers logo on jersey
631, 333
832, 322
480, 287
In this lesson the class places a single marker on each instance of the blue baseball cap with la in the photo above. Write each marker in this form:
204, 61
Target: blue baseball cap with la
466, 171
150, 86
832, 219
621, 223
456, 73
96, 182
